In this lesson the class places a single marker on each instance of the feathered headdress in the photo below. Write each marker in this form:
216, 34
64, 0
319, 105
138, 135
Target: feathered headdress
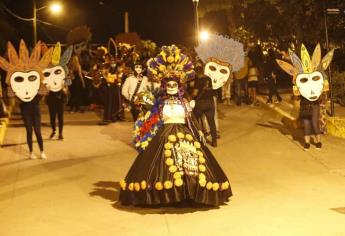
306, 65
78, 34
57, 59
23, 61
170, 63
222, 49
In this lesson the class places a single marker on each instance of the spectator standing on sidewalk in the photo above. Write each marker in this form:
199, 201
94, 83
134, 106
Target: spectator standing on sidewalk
270, 76
241, 82
253, 78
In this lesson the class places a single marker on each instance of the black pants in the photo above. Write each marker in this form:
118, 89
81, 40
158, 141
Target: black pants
56, 109
32, 118
272, 87
207, 107
112, 103
312, 124
239, 85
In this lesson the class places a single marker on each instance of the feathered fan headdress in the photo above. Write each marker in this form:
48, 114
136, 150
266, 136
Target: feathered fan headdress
223, 50
23, 61
78, 34
170, 63
307, 65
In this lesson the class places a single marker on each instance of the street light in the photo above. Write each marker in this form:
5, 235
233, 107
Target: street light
204, 35
330, 11
55, 8
196, 15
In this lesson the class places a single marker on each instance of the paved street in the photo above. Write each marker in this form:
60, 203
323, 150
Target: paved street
279, 189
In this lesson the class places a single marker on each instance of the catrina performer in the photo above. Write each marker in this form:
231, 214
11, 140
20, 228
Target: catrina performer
309, 82
24, 75
175, 165
222, 56
112, 85
55, 80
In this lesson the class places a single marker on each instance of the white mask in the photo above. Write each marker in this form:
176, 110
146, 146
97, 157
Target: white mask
138, 69
54, 78
310, 85
172, 88
25, 85
219, 74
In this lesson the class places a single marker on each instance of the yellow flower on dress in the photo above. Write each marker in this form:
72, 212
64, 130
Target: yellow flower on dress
180, 135
202, 182
168, 184
215, 186
177, 175
167, 153
197, 144
168, 145
137, 186
202, 160
189, 137
178, 182
172, 138
169, 161
172, 169
225, 185
131, 187
143, 185
123, 184
202, 176
209, 185
159, 186
202, 168
200, 154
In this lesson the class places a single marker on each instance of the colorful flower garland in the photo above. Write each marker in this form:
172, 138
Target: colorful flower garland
146, 127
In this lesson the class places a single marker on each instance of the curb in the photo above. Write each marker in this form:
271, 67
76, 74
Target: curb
4, 122
278, 108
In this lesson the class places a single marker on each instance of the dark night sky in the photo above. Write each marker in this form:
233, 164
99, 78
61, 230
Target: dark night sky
163, 21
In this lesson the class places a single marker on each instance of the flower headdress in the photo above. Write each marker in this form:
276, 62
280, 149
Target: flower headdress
307, 65
170, 63
222, 50
24, 62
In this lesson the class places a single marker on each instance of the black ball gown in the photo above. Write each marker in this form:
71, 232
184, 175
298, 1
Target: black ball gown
175, 167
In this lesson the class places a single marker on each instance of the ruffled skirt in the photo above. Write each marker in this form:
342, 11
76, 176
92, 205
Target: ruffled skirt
175, 168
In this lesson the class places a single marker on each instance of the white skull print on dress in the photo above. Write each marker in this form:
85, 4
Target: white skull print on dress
310, 85
54, 78
219, 74
25, 85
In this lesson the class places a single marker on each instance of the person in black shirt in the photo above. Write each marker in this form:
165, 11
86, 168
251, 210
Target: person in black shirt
204, 104
270, 75
55, 80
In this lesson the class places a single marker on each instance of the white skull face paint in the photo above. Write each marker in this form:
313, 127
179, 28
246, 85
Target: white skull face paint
79, 47
219, 74
138, 69
172, 87
25, 85
310, 85
54, 78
